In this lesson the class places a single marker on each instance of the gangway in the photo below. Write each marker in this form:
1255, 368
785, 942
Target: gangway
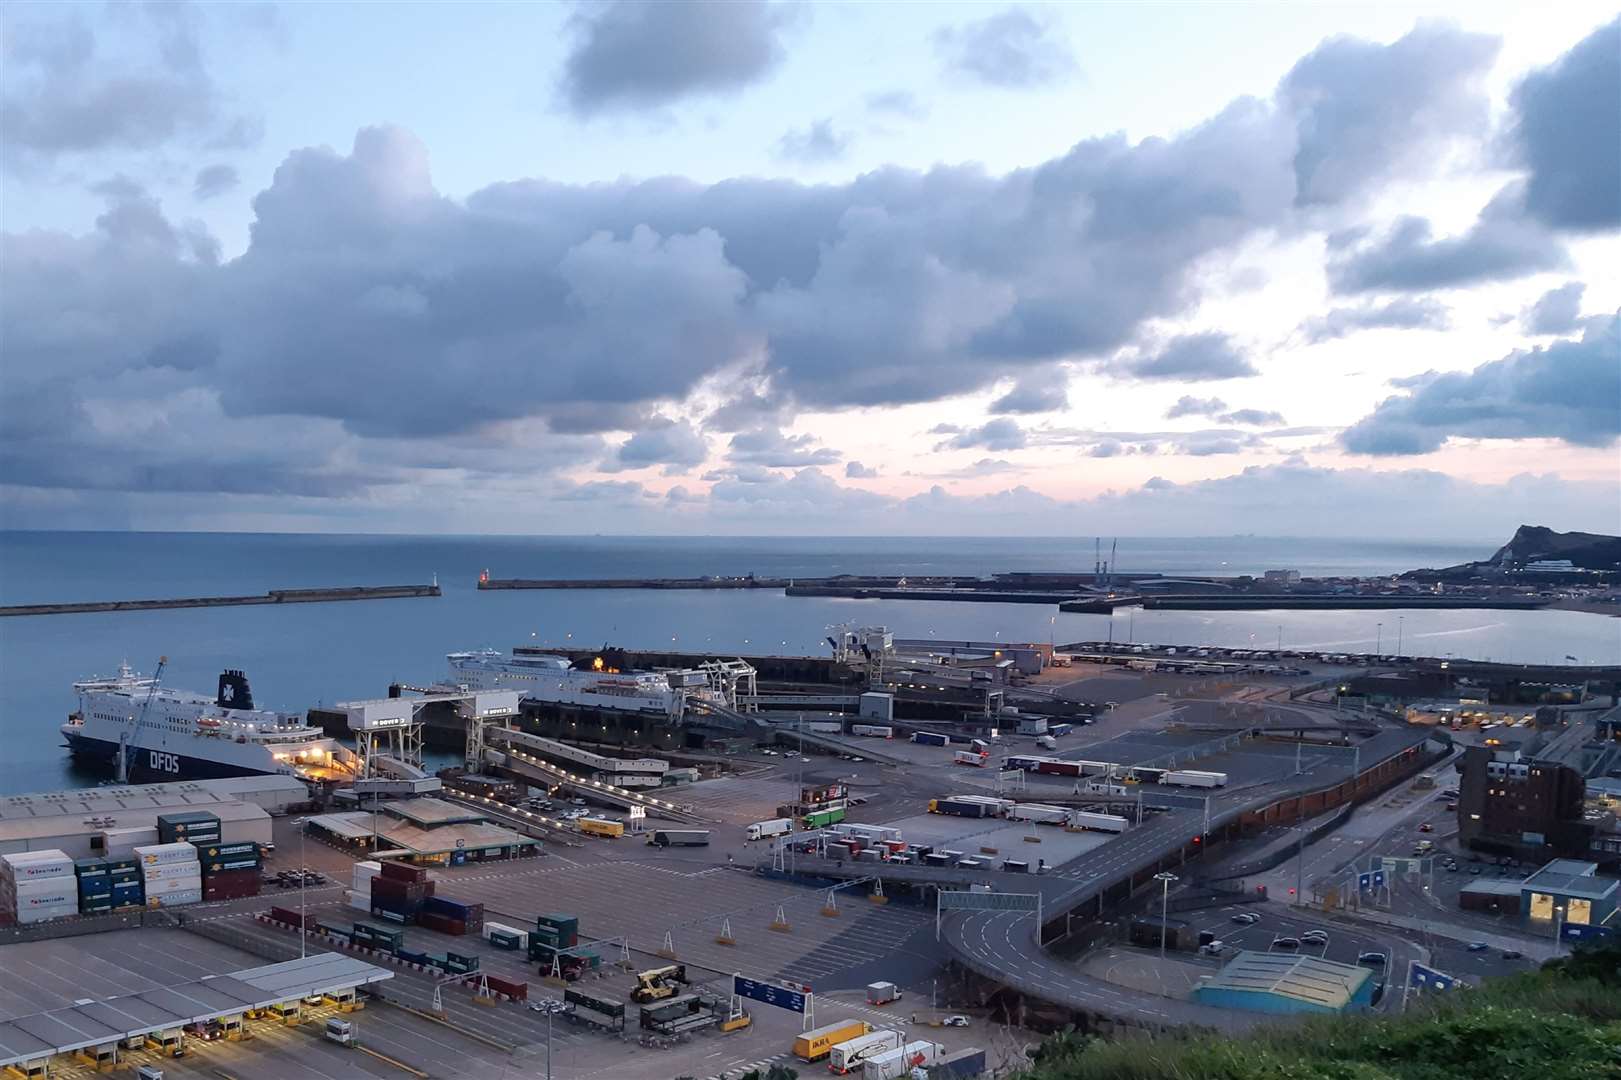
755, 724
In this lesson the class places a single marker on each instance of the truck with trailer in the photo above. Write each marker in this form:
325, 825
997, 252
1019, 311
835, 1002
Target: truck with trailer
958, 807
848, 1057
975, 758
966, 1064
821, 819
1083, 819
816, 1044
1027, 762
1194, 778
873, 731
761, 830
1038, 813
1058, 731
931, 738
608, 830
899, 1063
679, 838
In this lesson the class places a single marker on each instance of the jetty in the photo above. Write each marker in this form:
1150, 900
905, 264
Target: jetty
275, 596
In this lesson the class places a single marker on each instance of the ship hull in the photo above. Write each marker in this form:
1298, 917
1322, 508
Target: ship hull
146, 766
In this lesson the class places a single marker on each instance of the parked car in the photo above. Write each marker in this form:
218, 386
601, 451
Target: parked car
1286, 943
956, 1020
1513, 954
1314, 937
1246, 918
1478, 946
1373, 959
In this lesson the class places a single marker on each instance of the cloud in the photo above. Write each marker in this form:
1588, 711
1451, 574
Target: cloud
1253, 418
1034, 395
65, 95
1013, 48
857, 471
1562, 129
1566, 391
666, 442
770, 447
214, 180
632, 54
1192, 406
1500, 246
1557, 312
814, 144
1189, 358
1364, 109
999, 434
1401, 313
901, 103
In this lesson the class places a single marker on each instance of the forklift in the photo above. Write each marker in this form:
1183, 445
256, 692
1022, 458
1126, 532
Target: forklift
658, 983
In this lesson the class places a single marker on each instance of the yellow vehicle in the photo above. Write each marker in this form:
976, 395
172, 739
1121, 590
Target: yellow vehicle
612, 830
658, 983
817, 1044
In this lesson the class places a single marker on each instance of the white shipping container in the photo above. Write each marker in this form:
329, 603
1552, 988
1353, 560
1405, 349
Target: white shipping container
899, 1063
36, 865
175, 899
521, 935
360, 901
43, 888
172, 872
159, 854
30, 916
121, 843
165, 886
48, 898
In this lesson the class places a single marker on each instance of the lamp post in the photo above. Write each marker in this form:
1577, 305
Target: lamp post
303, 885
1164, 878
1378, 638
1558, 926
1400, 621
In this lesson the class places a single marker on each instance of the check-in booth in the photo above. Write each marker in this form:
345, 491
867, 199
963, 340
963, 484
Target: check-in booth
287, 1011
31, 1069
166, 1041
231, 1024
101, 1058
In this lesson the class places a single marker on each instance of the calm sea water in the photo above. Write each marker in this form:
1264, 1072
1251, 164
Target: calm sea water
307, 654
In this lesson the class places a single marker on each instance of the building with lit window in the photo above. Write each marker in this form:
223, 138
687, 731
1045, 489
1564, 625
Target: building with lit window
1569, 892
1524, 807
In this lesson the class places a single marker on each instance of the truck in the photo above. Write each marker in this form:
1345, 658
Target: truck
1083, 819
965, 1064
679, 838
1038, 812
1047, 742
1195, 778
760, 830
821, 819
610, 830
847, 1057
818, 1043
960, 808
873, 731
882, 993
1058, 731
895, 1064
971, 757
931, 738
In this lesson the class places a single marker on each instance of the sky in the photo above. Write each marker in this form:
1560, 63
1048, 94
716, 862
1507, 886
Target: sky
786, 267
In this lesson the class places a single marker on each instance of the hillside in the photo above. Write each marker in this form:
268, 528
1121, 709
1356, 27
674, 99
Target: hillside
1560, 1023
1588, 551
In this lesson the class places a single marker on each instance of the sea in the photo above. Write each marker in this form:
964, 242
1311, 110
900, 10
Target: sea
304, 655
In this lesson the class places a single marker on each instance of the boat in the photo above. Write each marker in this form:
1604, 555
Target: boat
593, 683
170, 734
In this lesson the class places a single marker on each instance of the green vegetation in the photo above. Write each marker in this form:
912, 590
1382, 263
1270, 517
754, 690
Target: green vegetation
1560, 1023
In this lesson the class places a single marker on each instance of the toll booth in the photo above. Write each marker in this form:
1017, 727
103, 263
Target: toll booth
232, 1026
165, 1042
101, 1058
289, 1012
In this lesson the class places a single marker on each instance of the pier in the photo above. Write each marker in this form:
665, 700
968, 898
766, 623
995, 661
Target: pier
1296, 602
274, 596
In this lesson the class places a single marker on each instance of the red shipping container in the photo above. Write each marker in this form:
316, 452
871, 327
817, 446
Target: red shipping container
387, 889
231, 878
518, 990
399, 871
292, 918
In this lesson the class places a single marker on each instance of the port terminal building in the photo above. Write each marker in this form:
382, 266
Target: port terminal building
426, 830
1288, 984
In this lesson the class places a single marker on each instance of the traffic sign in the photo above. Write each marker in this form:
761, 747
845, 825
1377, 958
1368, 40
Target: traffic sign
768, 994
1427, 978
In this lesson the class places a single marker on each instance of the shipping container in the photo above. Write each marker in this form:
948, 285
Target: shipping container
511, 988
505, 937
873, 731
849, 1056
931, 738
215, 852
1039, 813
610, 830
821, 819
959, 808
1195, 778
401, 871
825, 727
817, 1044
291, 917
1058, 767
966, 1064
1082, 819
35, 865
152, 855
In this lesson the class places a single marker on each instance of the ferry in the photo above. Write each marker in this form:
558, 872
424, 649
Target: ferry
587, 683
170, 734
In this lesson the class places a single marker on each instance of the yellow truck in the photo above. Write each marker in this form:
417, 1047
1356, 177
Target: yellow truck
817, 1044
600, 827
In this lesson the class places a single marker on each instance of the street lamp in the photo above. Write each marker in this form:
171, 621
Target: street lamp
303, 883
1558, 926
1379, 638
1165, 879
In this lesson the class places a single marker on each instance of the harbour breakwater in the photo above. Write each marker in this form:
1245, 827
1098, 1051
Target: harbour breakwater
274, 596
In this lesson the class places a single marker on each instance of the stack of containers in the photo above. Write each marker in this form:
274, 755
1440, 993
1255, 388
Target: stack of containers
360, 894
399, 891
230, 871
38, 885
170, 874
551, 934
450, 916
121, 843
191, 826
126, 880
95, 886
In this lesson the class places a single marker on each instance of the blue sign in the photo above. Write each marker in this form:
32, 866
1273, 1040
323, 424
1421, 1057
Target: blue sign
765, 992
1427, 978
1578, 932
1378, 879
1364, 882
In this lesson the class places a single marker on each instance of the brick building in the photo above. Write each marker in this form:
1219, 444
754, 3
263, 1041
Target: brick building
1525, 807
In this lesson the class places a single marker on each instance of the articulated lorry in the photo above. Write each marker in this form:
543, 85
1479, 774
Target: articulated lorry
848, 1057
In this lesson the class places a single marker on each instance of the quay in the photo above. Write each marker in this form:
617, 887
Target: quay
1296, 602
274, 596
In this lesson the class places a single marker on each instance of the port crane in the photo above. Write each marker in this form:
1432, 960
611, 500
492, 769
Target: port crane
123, 736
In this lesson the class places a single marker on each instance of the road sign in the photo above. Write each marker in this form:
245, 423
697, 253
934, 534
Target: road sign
1427, 978
962, 900
1364, 882
768, 994
1378, 879
1578, 932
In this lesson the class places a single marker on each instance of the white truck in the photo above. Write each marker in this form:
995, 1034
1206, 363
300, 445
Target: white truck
849, 1056
894, 1064
1194, 778
1037, 812
1084, 819
971, 757
760, 830
882, 993
1047, 742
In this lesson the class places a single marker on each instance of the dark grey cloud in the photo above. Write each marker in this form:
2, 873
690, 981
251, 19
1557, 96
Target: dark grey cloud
1557, 312
902, 103
594, 418
214, 180
999, 434
770, 447
813, 144
1365, 109
1501, 246
1568, 390
630, 54
65, 95
1015, 48
1188, 405
1400, 313
857, 471
663, 442
1564, 120
1034, 394
1202, 357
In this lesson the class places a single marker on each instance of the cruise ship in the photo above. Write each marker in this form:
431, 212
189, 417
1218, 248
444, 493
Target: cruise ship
544, 677
169, 734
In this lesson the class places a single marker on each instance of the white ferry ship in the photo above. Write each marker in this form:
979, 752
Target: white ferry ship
544, 677
169, 734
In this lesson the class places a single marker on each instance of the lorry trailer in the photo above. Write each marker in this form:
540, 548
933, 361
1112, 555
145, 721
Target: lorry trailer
679, 838
849, 1056
818, 1043
971, 757
931, 738
894, 1064
760, 830
961, 808
873, 731
1083, 819
1039, 813
1195, 778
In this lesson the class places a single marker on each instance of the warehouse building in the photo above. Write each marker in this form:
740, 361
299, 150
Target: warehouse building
78, 822
1291, 984
1569, 891
424, 831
